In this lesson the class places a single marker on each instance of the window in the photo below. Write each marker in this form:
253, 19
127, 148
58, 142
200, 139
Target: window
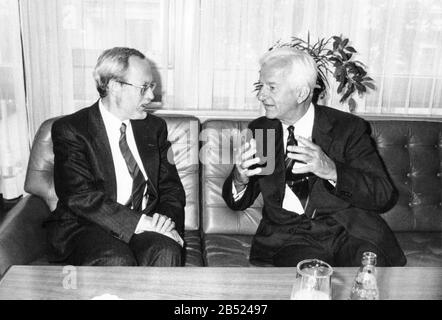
206, 52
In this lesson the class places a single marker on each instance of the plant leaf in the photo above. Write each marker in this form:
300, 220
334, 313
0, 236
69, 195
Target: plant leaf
351, 105
343, 54
350, 49
348, 93
360, 87
369, 85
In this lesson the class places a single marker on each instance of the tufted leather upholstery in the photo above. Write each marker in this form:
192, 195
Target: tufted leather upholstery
412, 153
183, 133
217, 159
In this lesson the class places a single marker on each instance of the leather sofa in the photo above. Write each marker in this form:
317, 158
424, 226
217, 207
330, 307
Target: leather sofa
219, 237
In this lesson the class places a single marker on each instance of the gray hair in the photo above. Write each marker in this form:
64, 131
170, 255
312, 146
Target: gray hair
113, 64
301, 68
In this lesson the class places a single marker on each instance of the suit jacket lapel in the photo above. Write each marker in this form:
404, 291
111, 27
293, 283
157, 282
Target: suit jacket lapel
321, 134
147, 149
100, 141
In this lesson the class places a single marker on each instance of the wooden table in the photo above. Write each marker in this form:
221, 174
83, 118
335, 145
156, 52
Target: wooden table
58, 282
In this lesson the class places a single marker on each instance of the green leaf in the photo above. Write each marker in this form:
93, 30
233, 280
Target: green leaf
351, 49
344, 43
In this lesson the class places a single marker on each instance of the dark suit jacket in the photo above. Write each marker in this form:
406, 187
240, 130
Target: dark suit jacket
85, 183
363, 188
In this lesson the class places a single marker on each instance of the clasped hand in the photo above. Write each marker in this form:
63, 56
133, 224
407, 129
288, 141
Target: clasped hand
316, 161
159, 223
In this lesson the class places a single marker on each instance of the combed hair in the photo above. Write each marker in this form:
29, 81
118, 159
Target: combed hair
302, 67
113, 64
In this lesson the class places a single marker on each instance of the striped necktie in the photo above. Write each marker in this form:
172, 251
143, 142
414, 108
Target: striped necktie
297, 182
139, 183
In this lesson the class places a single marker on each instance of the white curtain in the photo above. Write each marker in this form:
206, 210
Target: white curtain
63, 39
14, 146
400, 41
206, 51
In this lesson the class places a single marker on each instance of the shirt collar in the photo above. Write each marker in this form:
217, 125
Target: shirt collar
110, 120
304, 125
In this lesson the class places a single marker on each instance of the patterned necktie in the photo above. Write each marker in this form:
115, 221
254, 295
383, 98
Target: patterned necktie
297, 182
139, 182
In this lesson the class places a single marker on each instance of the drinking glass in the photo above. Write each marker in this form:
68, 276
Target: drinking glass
313, 280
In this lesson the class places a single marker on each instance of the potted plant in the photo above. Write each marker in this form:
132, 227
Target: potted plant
335, 56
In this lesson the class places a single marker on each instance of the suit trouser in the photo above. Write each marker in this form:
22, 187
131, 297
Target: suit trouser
325, 239
96, 247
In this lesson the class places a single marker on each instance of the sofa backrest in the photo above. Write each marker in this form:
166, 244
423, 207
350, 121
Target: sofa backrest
411, 150
412, 153
183, 133
217, 161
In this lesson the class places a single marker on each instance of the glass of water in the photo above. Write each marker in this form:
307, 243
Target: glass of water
313, 280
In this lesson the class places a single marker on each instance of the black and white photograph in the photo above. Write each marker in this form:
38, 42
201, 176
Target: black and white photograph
221, 157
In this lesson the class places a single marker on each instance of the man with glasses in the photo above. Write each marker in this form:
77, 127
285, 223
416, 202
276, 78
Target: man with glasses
121, 202
324, 197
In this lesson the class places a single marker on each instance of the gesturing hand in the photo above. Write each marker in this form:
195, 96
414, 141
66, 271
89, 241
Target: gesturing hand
243, 161
316, 161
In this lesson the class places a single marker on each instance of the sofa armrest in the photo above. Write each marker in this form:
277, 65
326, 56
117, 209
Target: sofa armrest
22, 236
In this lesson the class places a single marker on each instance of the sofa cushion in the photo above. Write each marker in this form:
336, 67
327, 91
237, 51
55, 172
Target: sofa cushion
422, 249
227, 250
183, 133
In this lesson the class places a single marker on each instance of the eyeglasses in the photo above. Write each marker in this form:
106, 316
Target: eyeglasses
144, 88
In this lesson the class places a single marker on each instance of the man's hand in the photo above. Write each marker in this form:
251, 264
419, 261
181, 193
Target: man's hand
161, 224
243, 161
316, 161
157, 223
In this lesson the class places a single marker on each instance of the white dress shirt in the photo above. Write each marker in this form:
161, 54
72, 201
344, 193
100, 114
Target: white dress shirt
122, 175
